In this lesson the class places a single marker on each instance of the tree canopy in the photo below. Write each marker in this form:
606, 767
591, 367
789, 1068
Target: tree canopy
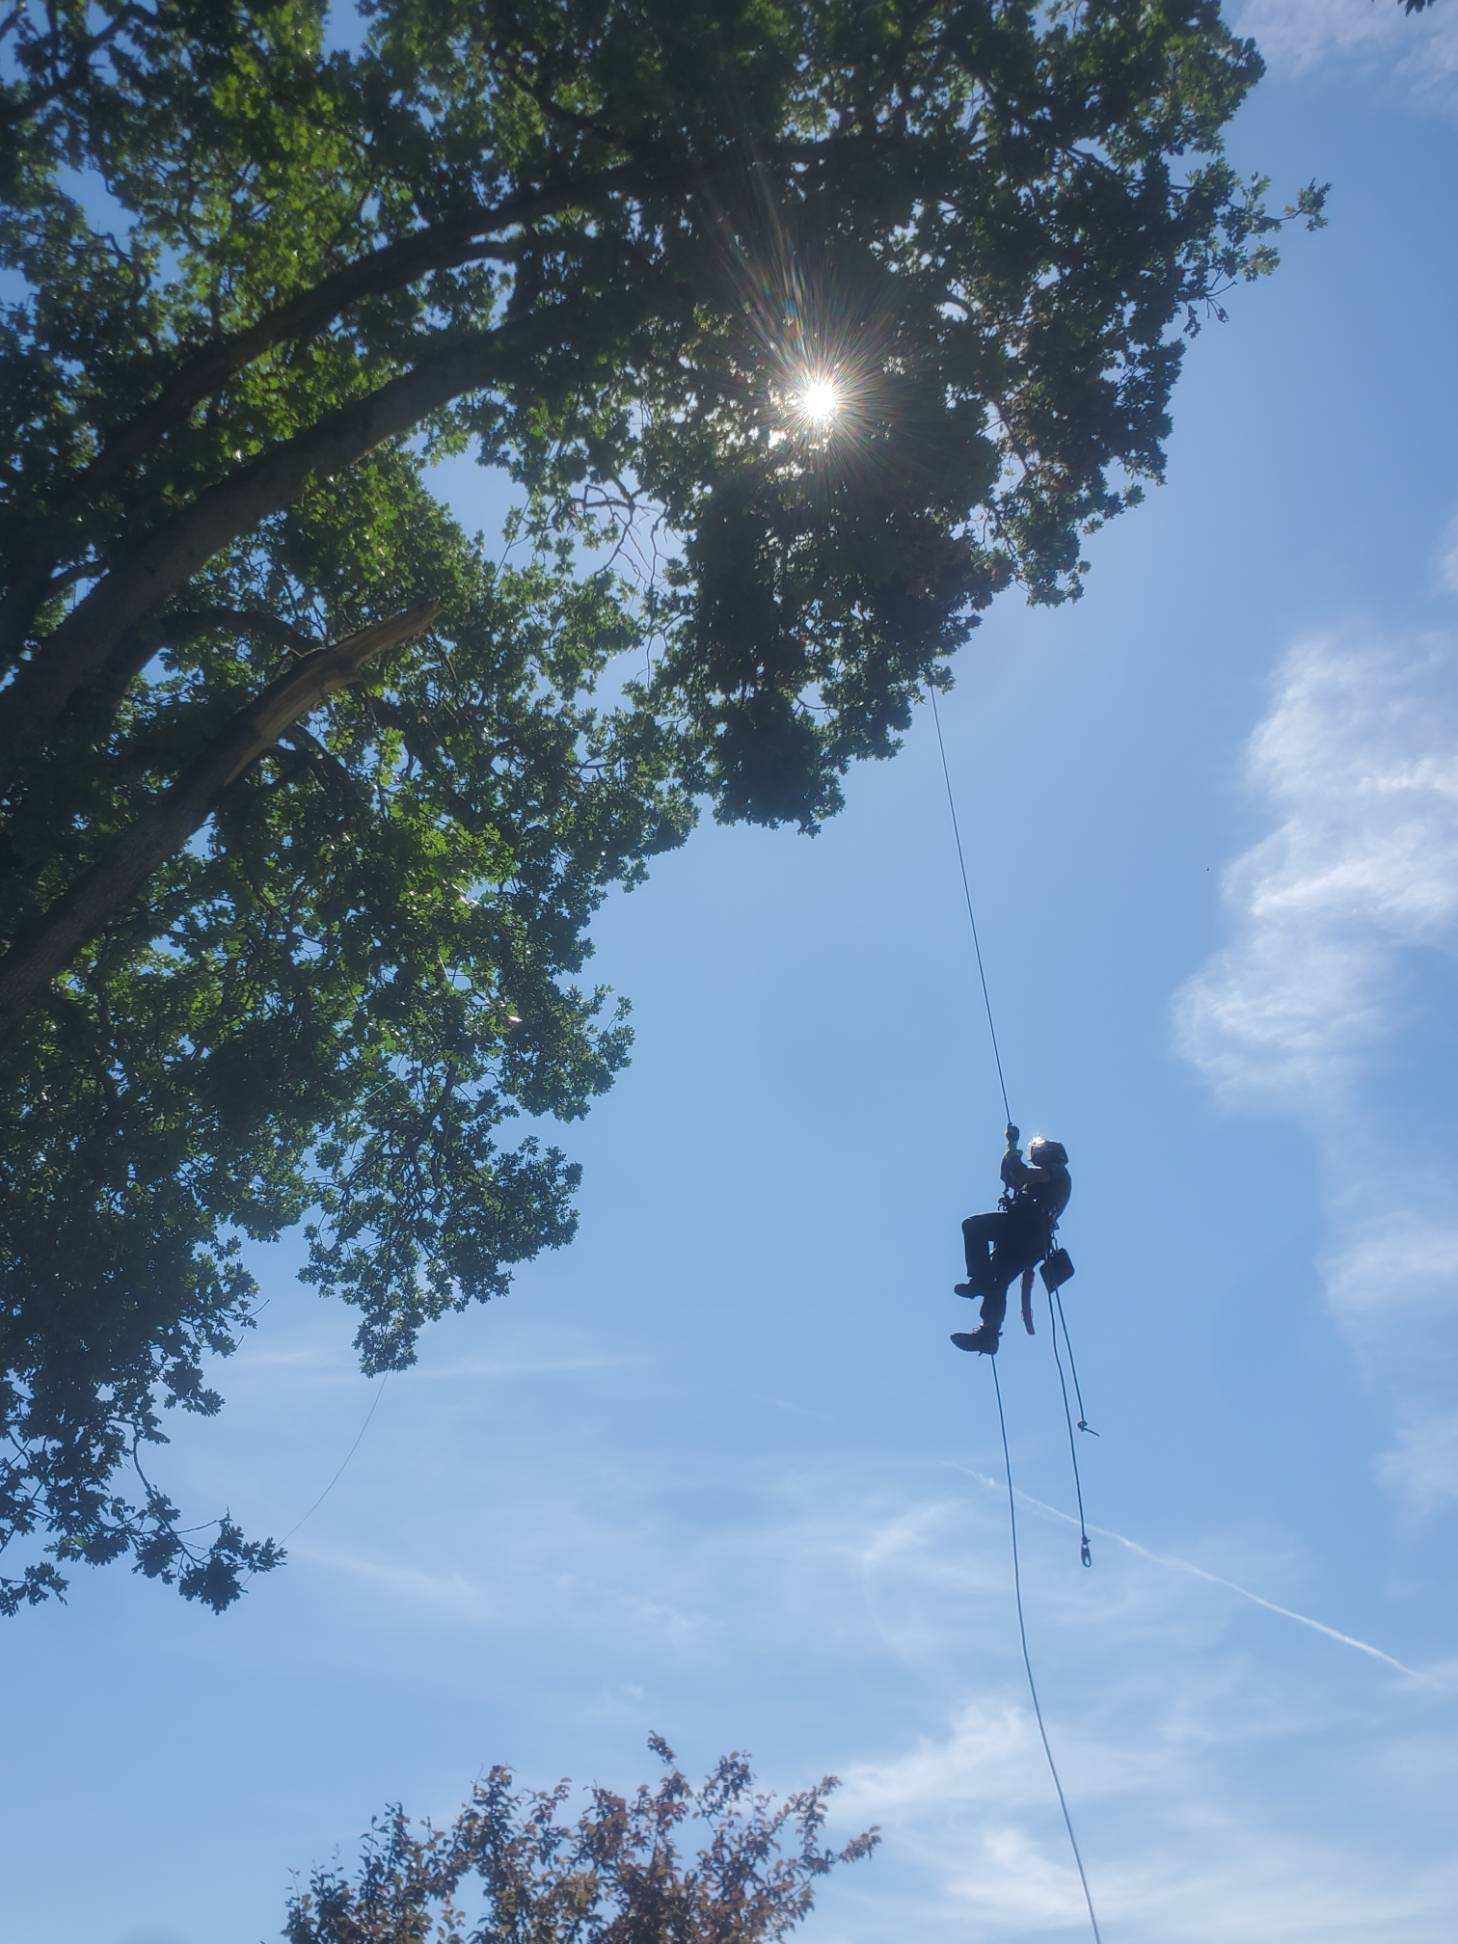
509, 1869
309, 795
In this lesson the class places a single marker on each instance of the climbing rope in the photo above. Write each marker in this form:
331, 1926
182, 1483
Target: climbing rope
1012, 1514
1085, 1551
967, 893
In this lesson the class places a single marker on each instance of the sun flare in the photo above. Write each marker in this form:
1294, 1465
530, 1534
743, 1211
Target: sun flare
819, 400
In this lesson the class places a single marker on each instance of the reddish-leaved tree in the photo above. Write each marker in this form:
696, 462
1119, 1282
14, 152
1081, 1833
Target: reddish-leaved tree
510, 1870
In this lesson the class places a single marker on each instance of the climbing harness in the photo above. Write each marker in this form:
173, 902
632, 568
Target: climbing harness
1057, 1268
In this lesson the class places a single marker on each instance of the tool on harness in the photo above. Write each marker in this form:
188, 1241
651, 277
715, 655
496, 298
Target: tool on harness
1057, 1269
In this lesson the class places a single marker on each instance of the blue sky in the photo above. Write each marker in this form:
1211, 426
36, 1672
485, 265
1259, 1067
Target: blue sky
715, 1471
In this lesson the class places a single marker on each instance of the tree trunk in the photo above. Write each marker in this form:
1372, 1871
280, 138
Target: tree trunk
49, 945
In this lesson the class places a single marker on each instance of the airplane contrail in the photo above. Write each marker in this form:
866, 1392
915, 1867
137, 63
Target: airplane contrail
1199, 1572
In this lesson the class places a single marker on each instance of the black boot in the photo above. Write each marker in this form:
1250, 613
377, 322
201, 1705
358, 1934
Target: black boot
983, 1340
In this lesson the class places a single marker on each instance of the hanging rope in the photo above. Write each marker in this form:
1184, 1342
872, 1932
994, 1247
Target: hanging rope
1085, 1551
1083, 1423
1012, 1514
967, 893
343, 1463
1012, 1511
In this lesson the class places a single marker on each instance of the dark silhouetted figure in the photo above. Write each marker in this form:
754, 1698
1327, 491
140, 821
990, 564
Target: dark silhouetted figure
1002, 1245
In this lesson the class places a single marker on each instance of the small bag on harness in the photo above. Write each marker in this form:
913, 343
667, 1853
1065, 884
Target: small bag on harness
1056, 1270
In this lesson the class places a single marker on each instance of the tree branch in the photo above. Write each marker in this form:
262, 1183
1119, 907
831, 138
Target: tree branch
77, 651
31, 101
82, 912
438, 246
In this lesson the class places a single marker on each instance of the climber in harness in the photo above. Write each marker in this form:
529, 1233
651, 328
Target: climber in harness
1010, 1242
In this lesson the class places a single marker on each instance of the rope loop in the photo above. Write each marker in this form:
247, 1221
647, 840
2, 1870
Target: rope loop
1083, 1424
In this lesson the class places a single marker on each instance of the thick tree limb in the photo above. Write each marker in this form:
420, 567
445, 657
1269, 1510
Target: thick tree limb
437, 246
80, 647
80, 914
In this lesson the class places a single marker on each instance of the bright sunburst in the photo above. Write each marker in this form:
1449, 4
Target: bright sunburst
818, 400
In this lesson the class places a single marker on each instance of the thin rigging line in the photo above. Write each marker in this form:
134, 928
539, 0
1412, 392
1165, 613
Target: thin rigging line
1084, 1551
1012, 1513
1083, 1423
967, 892
344, 1462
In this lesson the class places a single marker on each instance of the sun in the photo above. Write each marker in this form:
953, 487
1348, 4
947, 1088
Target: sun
818, 400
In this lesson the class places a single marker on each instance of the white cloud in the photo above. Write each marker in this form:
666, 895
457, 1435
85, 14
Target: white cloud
1244, 1885
1302, 33
1357, 762
1448, 556
1175, 1564
452, 1595
1358, 759
1374, 38
1422, 1465
1161, 1798
990, 1756
854, 1613
1402, 1253
1012, 1881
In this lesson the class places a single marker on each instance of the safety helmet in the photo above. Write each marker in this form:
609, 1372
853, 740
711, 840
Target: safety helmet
1043, 1152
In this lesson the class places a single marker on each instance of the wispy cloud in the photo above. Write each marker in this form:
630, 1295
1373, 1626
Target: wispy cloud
329, 1367
502, 1369
1358, 760
1283, 1891
1416, 54
1331, 914
1423, 1462
1178, 1565
454, 1595
854, 1613
1157, 1747
991, 1757
1448, 557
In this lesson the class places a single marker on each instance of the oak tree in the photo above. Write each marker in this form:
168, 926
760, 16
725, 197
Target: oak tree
800, 328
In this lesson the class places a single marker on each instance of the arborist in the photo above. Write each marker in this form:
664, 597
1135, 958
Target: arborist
1009, 1242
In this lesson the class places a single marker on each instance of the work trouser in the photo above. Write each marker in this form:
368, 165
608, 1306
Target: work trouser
999, 1248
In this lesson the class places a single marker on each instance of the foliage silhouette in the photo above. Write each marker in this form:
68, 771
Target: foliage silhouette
614, 1876
309, 797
